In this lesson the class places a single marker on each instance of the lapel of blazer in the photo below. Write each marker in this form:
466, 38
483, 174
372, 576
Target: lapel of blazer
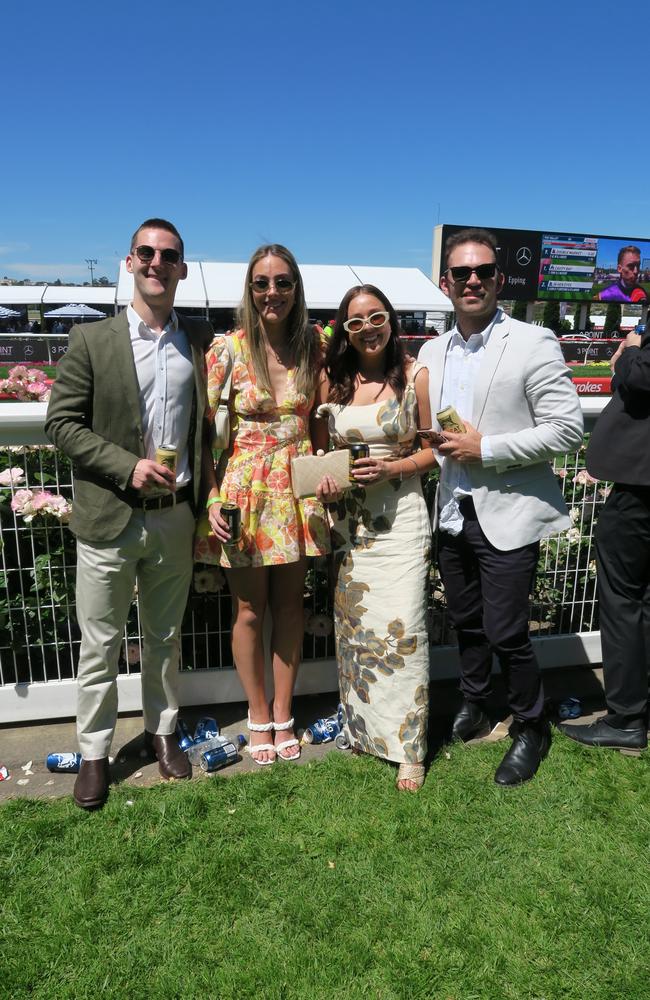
436, 375
493, 352
125, 365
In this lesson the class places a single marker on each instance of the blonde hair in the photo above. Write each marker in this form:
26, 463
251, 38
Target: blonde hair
300, 335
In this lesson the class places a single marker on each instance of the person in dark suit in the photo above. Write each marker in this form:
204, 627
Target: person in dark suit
619, 450
126, 386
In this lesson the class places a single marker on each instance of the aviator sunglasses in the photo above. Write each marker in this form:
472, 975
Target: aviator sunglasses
356, 324
482, 272
282, 285
146, 254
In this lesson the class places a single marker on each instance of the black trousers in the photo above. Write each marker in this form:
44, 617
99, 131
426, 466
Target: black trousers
488, 600
622, 541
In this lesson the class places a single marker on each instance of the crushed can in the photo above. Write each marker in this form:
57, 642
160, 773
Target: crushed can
206, 729
185, 740
206, 737
63, 762
341, 741
4, 773
218, 757
324, 730
570, 708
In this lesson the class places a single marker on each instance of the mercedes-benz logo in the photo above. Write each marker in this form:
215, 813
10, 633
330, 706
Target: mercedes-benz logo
29, 350
524, 256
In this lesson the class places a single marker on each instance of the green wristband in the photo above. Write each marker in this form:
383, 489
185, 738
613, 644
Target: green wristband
212, 500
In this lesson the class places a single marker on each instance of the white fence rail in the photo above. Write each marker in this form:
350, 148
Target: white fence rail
39, 636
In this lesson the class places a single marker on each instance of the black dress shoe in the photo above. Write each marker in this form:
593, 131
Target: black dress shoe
470, 723
91, 787
172, 761
603, 734
529, 748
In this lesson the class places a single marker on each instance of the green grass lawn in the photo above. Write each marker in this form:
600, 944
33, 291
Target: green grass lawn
322, 881
598, 370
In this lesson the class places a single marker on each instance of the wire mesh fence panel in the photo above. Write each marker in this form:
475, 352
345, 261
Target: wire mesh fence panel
39, 635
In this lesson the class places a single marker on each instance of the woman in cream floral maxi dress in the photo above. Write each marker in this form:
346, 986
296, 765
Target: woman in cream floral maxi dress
381, 539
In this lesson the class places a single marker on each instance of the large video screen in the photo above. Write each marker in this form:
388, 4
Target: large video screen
569, 267
594, 268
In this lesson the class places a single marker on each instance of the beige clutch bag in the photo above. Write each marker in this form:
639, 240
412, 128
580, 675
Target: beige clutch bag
308, 470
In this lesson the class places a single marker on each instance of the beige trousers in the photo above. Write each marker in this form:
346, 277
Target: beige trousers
155, 549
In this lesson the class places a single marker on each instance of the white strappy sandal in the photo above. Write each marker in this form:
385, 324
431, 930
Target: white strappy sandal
257, 727
285, 744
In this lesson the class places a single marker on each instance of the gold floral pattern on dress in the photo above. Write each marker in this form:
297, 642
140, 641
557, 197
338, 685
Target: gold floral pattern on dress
381, 543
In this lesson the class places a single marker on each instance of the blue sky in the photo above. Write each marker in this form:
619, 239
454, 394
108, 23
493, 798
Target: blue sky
344, 129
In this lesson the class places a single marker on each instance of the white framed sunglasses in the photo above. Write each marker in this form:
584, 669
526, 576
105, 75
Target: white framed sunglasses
356, 324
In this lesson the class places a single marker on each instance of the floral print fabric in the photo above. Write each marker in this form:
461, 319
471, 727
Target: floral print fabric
381, 538
264, 437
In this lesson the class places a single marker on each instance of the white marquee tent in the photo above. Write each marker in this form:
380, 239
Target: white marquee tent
220, 285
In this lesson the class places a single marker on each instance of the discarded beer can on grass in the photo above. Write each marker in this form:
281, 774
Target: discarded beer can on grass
341, 742
206, 729
218, 757
4, 773
60, 763
324, 730
202, 748
570, 708
185, 740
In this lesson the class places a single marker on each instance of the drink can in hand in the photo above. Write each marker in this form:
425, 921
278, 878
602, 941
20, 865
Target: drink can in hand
231, 514
166, 455
358, 450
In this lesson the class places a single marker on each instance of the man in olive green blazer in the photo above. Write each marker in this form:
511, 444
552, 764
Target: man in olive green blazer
127, 386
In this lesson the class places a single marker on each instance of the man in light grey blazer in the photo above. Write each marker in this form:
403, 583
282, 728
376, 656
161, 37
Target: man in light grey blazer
497, 496
126, 386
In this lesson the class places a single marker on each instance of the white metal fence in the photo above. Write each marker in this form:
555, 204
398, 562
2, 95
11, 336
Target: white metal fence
39, 636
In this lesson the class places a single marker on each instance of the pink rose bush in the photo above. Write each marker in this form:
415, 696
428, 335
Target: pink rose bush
30, 503
26, 384
12, 477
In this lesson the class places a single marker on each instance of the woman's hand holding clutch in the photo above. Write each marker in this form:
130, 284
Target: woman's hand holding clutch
327, 490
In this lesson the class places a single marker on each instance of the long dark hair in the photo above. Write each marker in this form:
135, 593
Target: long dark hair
342, 361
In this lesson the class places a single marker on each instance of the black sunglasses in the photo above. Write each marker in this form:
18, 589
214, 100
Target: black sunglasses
482, 272
282, 285
146, 254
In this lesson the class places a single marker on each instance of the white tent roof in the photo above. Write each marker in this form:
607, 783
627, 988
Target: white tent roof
408, 288
189, 294
224, 283
220, 285
326, 284
21, 295
90, 295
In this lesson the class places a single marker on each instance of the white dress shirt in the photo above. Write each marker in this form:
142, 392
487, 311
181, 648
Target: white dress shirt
163, 364
462, 366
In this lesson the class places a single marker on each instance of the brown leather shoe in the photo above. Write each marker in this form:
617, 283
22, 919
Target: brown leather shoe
172, 761
91, 787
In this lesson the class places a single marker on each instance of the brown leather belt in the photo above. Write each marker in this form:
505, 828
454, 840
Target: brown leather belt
167, 500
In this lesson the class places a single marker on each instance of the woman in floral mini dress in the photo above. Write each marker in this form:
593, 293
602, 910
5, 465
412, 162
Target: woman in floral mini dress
381, 534
276, 359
